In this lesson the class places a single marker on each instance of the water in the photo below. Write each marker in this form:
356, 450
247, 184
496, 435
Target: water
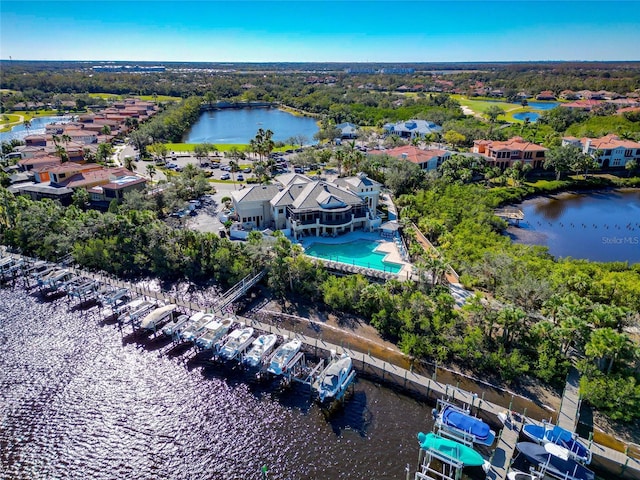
81, 401
241, 125
598, 226
37, 127
543, 105
532, 116
360, 252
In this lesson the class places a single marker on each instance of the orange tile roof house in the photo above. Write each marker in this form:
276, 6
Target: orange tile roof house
503, 154
609, 151
425, 159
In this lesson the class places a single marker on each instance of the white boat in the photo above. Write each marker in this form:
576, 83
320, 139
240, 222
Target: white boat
517, 475
260, 348
136, 310
194, 326
157, 317
335, 378
174, 327
284, 354
236, 342
212, 333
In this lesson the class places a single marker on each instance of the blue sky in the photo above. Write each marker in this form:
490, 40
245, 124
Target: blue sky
351, 31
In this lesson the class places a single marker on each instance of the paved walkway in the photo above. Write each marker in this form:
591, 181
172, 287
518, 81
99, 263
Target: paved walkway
505, 448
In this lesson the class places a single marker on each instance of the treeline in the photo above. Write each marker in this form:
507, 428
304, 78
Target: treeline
586, 305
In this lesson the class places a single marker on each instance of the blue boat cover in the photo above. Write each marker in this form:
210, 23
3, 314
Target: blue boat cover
569, 469
453, 417
559, 436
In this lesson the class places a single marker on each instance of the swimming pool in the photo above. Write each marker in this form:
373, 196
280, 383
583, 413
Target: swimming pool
359, 252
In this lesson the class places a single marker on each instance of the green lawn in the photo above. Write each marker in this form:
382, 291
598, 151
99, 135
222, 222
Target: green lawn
480, 106
149, 98
222, 147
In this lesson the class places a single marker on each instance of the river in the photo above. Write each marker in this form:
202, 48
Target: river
79, 400
599, 226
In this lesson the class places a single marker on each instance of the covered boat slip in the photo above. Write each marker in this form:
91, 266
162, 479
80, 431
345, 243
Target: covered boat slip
553, 465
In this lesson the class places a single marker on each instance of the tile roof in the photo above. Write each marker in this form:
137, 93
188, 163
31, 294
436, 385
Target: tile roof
411, 153
515, 144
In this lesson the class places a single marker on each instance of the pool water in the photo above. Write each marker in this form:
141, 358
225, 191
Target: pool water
359, 252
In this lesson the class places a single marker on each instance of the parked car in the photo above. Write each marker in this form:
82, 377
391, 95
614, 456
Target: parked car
240, 177
226, 168
225, 176
247, 170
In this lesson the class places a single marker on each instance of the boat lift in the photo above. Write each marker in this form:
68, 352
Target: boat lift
450, 468
443, 431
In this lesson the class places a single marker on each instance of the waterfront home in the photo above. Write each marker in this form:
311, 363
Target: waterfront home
412, 128
546, 95
503, 154
302, 206
426, 159
609, 151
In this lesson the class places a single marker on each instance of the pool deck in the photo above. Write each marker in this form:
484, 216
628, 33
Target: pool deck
384, 246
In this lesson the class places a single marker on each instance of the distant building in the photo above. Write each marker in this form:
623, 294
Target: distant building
503, 154
347, 130
546, 95
412, 128
609, 151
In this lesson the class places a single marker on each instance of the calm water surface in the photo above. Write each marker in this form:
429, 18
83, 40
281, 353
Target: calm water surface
81, 401
37, 127
599, 226
240, 125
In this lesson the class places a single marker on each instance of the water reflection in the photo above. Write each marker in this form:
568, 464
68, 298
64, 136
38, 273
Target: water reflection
600, 226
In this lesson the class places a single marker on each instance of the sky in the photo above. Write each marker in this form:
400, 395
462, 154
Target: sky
320, 31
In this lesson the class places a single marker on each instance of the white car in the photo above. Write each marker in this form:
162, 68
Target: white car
225, 176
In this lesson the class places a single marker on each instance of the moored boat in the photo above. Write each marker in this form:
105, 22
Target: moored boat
193, 327
548, 460
173, 328
460, 423
284, 354
455, 451
260, 348
154, 319
212, 333
549, 433
335, 378
236, 342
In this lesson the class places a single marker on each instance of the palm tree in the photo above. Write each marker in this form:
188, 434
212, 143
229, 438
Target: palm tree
151, 170
234, 168
129, 163
27, 125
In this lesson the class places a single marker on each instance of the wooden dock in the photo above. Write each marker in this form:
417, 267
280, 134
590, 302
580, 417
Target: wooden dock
505, 448
570, 403
364, 362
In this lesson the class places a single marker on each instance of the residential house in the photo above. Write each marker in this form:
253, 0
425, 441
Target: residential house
503, 154
609, 151
546, 95
304, 206
412, 128
347, 130
252, 207
425, 159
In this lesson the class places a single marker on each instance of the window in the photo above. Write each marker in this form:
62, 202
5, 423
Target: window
628, 153
528, 154
616, 162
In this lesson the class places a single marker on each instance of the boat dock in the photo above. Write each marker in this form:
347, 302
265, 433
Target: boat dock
366, 364
570, 403
510, 213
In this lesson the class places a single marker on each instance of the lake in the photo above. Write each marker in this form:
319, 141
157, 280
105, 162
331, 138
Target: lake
37, 127
600, 226
240, 126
